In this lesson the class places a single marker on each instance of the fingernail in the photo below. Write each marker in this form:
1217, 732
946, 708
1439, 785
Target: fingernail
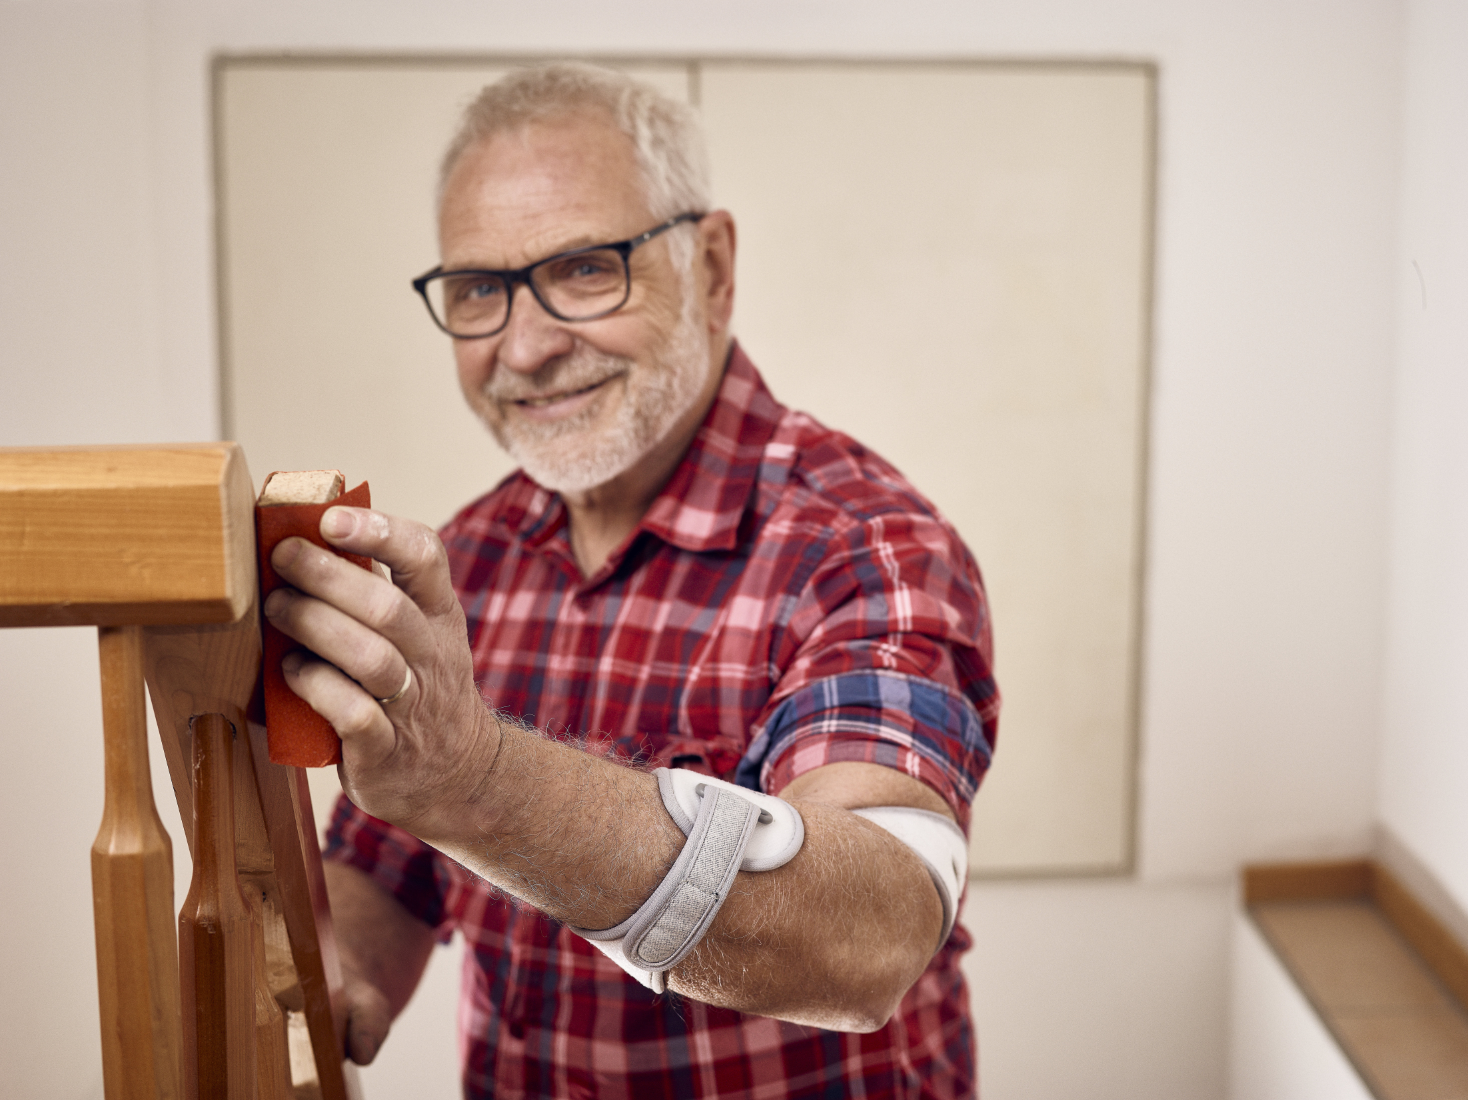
338, 523
291, 663
287, 551
275, 603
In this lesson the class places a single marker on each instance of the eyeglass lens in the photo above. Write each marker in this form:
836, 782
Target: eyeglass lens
575, 288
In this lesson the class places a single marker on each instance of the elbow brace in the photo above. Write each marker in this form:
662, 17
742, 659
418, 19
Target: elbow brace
729, 829
732, 829
935, 840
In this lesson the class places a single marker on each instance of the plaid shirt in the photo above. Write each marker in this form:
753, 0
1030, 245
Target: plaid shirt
788, 601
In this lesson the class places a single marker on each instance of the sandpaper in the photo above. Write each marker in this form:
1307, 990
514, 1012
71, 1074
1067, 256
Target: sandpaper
297, 735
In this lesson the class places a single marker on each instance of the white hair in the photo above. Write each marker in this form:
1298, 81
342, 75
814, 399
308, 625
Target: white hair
665, 133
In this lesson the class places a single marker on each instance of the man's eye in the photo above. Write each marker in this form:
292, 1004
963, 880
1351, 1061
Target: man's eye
593, 268
471, 290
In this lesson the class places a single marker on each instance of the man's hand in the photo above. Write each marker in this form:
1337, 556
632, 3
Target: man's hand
429, 751
531, 816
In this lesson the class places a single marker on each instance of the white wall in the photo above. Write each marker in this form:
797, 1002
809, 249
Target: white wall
79, 332
1424, 757
1279, 140
1099, 990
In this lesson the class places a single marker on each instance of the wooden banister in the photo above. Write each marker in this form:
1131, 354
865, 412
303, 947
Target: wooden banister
125, 536
156, 546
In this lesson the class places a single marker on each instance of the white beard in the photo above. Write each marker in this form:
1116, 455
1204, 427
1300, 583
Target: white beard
573, 455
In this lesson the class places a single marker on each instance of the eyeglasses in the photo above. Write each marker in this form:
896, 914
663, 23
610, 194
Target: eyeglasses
580, 285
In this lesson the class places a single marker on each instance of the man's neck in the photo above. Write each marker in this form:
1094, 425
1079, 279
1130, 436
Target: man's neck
601, 519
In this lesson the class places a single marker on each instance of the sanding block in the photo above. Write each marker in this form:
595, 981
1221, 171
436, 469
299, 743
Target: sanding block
292, 503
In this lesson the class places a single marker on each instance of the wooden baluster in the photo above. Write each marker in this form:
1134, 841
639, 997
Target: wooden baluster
272, 1043
274, 972
132, 895
216, 957
285, 798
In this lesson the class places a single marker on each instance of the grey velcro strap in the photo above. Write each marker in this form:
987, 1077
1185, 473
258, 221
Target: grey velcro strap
668, 926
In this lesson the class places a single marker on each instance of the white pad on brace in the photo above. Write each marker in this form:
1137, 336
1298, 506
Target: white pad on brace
729, 829
935, 840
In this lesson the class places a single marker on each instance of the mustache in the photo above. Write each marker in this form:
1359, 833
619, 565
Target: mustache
578, 370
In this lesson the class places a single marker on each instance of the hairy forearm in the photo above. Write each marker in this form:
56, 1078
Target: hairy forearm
832, 939
583, 839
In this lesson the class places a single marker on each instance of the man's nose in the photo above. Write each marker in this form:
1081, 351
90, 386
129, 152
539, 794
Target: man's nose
532, 337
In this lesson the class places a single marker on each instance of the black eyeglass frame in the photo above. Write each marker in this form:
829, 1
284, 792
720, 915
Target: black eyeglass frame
523, 275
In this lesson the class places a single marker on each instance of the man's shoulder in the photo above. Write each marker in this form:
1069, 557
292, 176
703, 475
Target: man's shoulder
830, 475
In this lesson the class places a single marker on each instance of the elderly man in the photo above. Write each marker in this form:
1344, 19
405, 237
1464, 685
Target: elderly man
683, 575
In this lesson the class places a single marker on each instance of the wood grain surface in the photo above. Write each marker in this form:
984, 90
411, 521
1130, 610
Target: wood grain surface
132, 896
115, 536
299, 888
274, 974
272, 1041
216, 956
199, 670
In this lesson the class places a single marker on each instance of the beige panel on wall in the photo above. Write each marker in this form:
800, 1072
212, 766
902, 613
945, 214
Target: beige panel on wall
326, 180
948, 261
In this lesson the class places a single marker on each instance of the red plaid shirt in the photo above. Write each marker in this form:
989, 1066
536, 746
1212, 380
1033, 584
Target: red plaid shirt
788, 601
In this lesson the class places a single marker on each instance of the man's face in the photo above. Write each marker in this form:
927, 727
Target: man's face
578, 403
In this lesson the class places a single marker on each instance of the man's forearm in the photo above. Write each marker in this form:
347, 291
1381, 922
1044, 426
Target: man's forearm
832, 939
384, 950
583, 839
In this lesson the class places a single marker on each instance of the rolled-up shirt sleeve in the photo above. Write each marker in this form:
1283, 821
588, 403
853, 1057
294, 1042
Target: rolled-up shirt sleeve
889, 662
421, 878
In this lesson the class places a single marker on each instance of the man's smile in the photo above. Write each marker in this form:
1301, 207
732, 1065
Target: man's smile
564, 403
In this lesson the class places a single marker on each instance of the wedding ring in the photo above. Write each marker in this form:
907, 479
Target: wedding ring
407, 683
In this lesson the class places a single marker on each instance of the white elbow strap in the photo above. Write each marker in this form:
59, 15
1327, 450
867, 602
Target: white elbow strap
935, 840
729, 829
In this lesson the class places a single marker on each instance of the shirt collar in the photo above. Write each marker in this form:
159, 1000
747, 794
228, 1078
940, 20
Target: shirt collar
704, 501
701, 506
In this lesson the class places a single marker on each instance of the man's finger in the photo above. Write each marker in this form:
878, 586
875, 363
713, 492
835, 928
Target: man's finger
412, 551
374, 602
362, 725
362, 652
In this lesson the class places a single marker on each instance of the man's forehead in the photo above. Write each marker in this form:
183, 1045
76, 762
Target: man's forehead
539, 188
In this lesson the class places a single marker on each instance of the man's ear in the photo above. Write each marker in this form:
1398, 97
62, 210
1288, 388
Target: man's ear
717, 239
